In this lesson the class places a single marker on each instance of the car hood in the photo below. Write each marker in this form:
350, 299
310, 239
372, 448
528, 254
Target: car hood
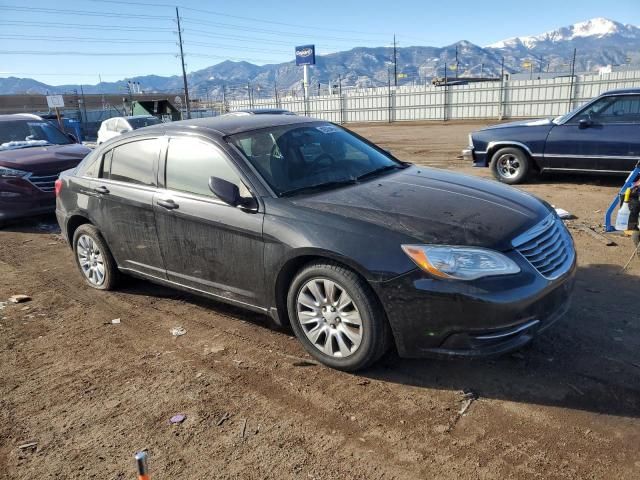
541, 122
437, 207
46, 159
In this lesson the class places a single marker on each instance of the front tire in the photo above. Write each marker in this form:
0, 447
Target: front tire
93, 258
510, 165
337, 317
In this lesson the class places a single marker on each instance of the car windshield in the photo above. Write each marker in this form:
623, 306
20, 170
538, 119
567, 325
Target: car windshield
30, 133
143, 122
298, 158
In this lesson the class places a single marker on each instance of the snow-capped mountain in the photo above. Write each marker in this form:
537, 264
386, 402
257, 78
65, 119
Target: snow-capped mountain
594, 28
599, 42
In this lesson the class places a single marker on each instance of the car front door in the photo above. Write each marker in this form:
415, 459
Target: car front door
604, 136
207, 244
125, 188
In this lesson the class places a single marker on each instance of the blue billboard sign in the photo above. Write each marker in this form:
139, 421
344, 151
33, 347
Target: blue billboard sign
306, 55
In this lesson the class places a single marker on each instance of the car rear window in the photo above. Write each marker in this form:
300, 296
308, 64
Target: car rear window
133, 162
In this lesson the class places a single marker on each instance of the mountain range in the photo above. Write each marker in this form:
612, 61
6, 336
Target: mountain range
599, 42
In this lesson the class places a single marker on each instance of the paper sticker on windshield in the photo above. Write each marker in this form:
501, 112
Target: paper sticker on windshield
328, 129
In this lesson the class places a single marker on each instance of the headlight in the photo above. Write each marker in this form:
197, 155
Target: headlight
460, 263
12, 172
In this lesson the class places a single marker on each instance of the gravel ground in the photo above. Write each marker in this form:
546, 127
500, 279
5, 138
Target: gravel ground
90, 393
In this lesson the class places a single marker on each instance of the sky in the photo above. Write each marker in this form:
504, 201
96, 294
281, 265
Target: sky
83, 41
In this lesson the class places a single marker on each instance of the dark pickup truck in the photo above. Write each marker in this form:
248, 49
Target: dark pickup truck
601, 136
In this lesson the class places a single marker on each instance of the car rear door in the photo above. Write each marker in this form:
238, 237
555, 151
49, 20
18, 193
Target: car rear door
607, 139
125, 188
207, 244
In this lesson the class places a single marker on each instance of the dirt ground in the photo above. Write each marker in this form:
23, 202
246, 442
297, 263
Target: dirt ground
91, 393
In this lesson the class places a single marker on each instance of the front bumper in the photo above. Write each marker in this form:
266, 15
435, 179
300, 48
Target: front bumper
20, 198
467, 154
431, 317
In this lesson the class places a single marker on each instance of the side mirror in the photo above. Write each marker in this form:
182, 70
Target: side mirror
229, 193
72, 137
584, 123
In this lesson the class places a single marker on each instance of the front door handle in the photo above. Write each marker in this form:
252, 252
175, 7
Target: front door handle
168, 204
102, 189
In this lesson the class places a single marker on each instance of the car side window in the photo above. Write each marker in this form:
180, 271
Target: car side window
133, 162
190, 164
612, 109
90, 166
106, 164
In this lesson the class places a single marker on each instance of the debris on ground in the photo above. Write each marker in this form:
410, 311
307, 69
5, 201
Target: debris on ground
178, 331
177, 419
223, 419
304, 363
591, 232
563, 214
28, 446
115, 321
243, 430
19, 298
364, 382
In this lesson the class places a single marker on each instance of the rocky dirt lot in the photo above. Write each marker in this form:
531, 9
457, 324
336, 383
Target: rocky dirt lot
90, 393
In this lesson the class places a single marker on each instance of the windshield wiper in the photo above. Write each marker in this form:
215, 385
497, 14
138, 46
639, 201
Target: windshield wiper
380, 170
319, 187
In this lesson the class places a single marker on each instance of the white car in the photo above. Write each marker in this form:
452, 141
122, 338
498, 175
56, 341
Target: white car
118, 125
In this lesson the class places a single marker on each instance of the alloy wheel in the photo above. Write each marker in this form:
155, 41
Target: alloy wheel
91, 260
329, 317
508, 166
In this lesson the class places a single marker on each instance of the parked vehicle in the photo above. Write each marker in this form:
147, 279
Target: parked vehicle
115, 126
33, 152
307, 222
602, 136
262, 111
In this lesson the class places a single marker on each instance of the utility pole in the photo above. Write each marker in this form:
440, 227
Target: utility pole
389, 90
84, 103
184, 71
395, 62
457, 63
224, 98
573, 72
249, 93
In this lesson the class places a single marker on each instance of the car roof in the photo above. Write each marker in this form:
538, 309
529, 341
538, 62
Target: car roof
264, 111
19, 116
623, 91
230, 125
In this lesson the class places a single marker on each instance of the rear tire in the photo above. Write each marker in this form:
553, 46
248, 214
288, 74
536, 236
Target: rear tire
93, 258
510, 165
337, 317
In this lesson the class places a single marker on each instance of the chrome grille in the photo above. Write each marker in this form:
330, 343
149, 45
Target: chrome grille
46, 183
548, 247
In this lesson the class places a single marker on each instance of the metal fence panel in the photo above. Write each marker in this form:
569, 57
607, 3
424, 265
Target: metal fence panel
486, 100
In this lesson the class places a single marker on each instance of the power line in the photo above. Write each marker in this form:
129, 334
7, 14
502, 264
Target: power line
264, 30
101, 54
56, 11
84, 26
218, 45
240, 17
83, 39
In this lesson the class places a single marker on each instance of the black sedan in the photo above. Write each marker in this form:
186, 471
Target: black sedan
313, 225
601, 136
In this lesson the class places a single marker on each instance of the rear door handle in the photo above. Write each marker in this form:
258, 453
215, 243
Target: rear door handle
102, 189
168, 204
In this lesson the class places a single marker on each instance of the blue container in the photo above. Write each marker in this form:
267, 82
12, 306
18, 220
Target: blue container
73, 127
